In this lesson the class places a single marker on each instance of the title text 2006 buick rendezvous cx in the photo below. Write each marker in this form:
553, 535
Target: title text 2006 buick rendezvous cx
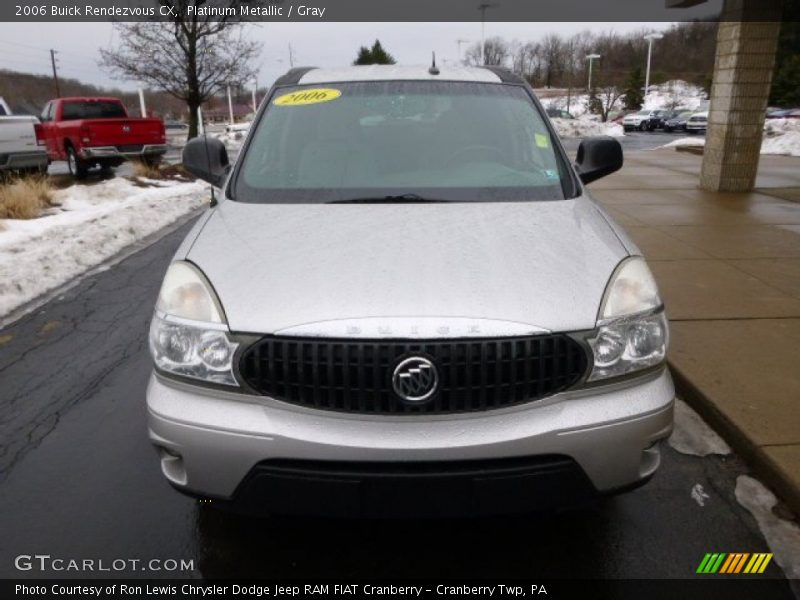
405, 301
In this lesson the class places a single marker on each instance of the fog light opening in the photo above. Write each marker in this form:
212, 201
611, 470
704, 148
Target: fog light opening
651, 458
172, 466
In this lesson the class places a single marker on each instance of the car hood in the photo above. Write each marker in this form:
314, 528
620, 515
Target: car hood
294, 268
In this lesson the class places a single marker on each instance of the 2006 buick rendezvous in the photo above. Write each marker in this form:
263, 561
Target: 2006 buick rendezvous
406, 302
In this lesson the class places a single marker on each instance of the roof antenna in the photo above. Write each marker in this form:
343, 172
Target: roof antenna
434, 70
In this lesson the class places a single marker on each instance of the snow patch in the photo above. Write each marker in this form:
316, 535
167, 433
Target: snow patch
92, 223
669, 95
696, 142
699, 495
676, 94
584, 128
781, 136
783, 537
693, 436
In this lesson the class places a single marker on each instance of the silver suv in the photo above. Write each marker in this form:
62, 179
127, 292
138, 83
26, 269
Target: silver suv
405, 302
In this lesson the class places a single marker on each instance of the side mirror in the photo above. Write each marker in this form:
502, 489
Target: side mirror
206, 158
598, 157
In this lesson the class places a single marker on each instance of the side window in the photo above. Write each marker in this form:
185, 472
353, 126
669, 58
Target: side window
2, 111
47, 113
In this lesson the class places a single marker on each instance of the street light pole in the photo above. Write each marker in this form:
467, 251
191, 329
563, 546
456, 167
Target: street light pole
459, 42
651, 37
482, 7
591, 58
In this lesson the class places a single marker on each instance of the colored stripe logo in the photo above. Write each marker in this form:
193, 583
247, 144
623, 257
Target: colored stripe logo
734, 563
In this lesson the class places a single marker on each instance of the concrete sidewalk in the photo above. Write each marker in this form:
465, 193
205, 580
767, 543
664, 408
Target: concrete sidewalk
728, 266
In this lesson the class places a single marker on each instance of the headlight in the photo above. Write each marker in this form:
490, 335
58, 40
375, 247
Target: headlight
632, 331
188, 333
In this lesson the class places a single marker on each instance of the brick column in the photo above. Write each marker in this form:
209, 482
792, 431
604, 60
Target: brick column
743, 66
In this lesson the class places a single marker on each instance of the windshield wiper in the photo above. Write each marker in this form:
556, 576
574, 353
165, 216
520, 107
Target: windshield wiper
398, 199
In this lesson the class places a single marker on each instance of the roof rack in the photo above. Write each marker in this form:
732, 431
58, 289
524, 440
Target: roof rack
504, 74
293, 76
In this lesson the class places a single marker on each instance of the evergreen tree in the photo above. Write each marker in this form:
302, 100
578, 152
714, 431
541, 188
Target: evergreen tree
380, 56
786, 83
364, 56
373, 56
634, 97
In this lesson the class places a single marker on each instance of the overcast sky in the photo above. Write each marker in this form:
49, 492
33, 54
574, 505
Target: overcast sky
25, 46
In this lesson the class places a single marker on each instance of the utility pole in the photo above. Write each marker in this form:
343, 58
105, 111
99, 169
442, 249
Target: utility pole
255, 89
291, 56
142, 106
459, 42
482, 7
651, 37
55, 73
230, 105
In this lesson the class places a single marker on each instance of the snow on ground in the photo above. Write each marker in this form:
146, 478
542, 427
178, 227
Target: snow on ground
583, 128
693, 436
781, 136
783, 537
669, 95
93, 223
233, 140
676, 94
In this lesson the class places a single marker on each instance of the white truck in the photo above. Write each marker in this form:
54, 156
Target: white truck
19, 148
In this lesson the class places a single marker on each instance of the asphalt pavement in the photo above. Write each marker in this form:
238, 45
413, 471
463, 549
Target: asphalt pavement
78, 478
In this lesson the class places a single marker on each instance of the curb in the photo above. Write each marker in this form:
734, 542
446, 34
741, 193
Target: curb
758, 460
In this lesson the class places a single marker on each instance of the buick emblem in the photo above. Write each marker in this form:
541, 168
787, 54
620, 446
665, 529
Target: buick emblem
126, 129
415, 379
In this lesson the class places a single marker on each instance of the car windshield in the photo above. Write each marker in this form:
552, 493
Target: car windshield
73, 110
643, 112
401, 141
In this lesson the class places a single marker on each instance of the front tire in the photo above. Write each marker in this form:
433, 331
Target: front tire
642, 126
77, 166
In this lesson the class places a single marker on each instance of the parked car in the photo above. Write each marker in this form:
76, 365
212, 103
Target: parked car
389, 316
697, 122
678, 122
557, 113
89, 132
660, 118
643, 120
172, 125
19, 150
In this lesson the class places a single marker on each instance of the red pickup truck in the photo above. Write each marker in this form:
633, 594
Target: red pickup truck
89, 132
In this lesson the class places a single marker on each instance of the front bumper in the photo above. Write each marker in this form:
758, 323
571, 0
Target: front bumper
121, 152
212, 441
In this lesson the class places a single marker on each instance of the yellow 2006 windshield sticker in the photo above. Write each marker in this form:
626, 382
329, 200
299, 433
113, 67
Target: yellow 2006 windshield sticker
303, 97
542, 141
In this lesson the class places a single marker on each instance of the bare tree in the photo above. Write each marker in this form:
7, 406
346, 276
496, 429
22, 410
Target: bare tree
189, 57
496, 52
526, 60
602, 100
552, 57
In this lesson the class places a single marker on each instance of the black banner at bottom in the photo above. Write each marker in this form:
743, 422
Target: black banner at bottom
712, 588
